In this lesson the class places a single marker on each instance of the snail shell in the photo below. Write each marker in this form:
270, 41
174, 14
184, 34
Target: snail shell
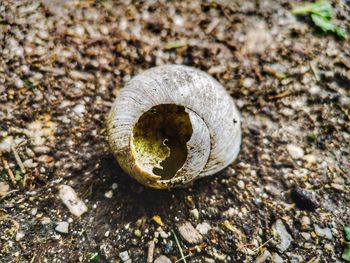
173, 124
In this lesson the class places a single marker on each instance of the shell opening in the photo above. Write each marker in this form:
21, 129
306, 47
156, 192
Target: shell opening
160, 139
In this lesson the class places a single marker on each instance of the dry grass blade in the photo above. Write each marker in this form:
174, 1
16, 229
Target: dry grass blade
183, 258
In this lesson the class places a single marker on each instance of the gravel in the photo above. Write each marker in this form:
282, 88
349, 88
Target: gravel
62, 227
284, 237
189, 233
69, 197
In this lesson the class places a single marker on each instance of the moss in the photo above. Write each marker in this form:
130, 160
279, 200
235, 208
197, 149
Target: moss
160, 138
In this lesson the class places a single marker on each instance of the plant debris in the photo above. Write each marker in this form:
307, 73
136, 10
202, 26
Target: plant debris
321, 13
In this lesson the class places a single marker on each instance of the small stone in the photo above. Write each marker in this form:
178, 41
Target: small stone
230, 212
163, 234
323, 232
69, 197
79, 109
310, 158
29, 163
19, 83
189, 233
4, 187
295, 259
62, 227
137, 233
19, 235
124, 256
248, 82
295, 151
305, 235
284, 237
339, 187
162, 259
5, 144
304, 199
277, 258
45, 221
109, 194
42, 149
34, 211
329, 247
114, 186
194, 213
203, 228
263, 257
305, 221
241, 184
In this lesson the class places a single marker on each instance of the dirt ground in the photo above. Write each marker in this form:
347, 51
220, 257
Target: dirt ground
285, 199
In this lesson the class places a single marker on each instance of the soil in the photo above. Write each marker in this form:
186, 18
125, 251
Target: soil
62, 64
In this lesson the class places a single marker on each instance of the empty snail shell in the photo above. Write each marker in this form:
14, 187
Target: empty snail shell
173, 124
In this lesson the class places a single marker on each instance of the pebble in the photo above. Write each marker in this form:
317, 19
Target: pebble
19, 83
248, 82
304, 199
29, 163
79, 109
295, 151
189, 233
241, 184
323, 232
163, 234
62, 227
284, 237
295, 259
329, 247
109, 194
305, 235
19, 235
162, 259
124, 256
137, 233
4, 187
195, 213
263, 257
42, 149
69, 197
305, 221
203, 228
277, 258
5, 144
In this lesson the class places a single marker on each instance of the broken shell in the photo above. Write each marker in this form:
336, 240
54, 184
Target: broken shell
173, 124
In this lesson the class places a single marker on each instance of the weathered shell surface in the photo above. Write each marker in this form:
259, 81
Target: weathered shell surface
216, 136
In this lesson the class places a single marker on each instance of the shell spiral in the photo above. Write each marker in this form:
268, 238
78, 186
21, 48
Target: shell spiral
178, 114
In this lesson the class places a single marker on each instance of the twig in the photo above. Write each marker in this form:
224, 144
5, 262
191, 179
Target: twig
18, 160
183, 258
33, 258
9, 172
151, 247
315, 71
258, 248
179, 246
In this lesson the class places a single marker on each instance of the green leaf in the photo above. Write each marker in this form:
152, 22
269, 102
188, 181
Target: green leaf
95, 257
346, 252
320, 8
347, 233
322, 23
18, 176
326, 25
